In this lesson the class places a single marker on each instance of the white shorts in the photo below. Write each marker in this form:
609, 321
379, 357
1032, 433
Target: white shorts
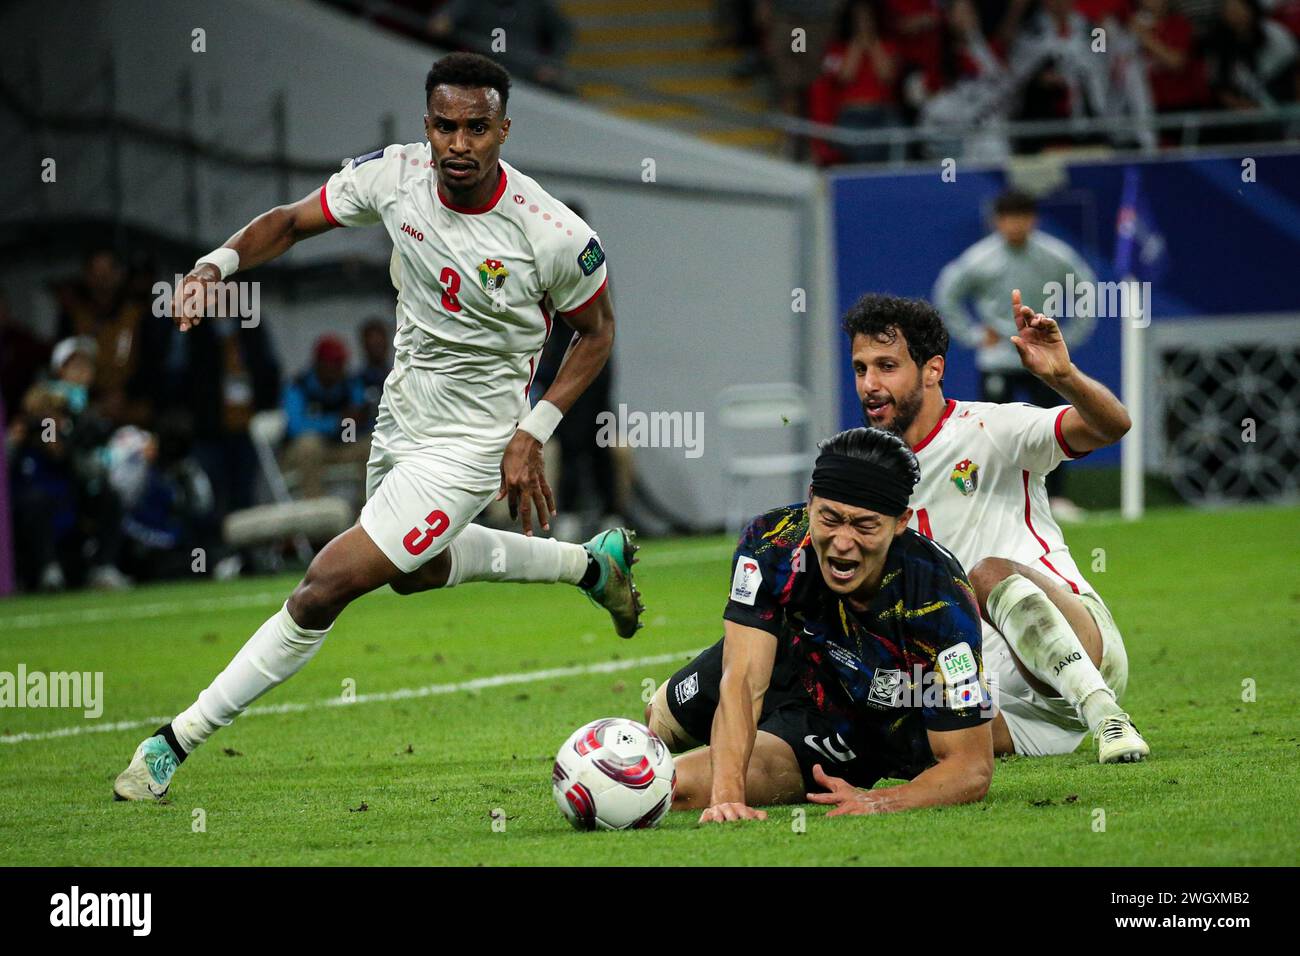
420, 496
1042, 726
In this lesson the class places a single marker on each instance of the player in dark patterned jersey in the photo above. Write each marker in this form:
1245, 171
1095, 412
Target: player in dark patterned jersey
850, 643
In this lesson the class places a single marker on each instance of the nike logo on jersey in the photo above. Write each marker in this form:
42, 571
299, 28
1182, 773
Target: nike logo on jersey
841, 754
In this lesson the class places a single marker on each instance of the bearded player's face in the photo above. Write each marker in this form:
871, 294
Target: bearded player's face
888, 382
466, 128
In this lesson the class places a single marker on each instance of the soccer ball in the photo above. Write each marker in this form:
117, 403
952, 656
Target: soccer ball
614, 774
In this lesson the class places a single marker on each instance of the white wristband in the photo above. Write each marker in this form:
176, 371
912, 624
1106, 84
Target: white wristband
225, 259
541, 421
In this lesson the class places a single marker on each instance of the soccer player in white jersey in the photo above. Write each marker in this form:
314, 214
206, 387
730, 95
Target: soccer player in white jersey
484, 259
1058, 657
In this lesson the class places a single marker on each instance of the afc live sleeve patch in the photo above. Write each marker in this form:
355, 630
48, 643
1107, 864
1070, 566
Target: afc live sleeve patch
958, 664
590, 258
745, 580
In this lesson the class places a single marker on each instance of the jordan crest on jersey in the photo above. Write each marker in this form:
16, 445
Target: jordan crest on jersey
966, 476
492, 274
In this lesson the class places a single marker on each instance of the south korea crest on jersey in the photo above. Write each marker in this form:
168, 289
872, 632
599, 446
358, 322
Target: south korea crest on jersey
966, 476
886, 687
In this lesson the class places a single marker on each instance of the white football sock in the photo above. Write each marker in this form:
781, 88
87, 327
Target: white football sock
271, 656
1048, 647
481, 554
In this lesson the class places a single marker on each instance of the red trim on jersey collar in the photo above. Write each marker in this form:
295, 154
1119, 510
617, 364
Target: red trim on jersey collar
1024, 478
325, 208
1060, 438
477, 210
565, 315
948, 410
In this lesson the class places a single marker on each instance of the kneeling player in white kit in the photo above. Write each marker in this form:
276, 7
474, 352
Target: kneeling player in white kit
484, 260
1049, 641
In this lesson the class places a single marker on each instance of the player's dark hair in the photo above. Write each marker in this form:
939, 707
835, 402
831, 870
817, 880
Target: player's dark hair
471, 70
885, 317
875, 446
1014, 202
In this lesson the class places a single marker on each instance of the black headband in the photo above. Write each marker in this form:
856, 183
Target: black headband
862, 484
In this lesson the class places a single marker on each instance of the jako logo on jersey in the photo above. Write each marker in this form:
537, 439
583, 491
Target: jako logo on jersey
1069, 659
417, 540
492, 273
419, 236
966, 476
745, 582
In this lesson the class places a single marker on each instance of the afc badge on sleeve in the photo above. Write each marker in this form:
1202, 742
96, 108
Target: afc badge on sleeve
745, 581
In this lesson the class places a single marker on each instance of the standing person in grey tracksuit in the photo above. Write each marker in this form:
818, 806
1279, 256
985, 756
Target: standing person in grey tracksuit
1016, 255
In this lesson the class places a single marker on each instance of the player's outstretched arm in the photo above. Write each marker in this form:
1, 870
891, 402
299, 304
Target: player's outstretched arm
961, 773
523, 480
748, 655
269, 235
1098, 418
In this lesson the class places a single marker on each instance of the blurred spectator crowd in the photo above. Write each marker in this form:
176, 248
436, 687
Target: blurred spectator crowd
540, 36
936, 64
127, 443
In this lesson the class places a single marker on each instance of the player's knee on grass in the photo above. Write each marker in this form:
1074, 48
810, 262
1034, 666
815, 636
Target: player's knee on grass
659, 718
694, 780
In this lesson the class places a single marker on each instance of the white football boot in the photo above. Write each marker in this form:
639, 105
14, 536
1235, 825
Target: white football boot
149, 773
1118, 741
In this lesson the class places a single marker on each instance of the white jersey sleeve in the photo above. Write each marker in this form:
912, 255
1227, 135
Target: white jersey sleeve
573, 267
357, 194
1030, 437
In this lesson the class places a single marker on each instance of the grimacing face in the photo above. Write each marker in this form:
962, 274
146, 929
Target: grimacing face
889, 383
851, 543
466, 128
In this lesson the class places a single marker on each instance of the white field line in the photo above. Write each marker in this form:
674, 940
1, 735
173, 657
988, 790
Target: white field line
268, 599
407, 693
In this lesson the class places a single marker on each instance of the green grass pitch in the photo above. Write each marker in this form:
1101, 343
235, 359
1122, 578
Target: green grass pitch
1207, 601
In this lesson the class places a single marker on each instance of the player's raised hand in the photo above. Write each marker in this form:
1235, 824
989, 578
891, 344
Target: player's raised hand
191, 298
1039, 341
523, 482
724, 812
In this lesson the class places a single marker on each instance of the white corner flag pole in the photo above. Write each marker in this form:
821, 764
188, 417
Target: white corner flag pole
1133, 351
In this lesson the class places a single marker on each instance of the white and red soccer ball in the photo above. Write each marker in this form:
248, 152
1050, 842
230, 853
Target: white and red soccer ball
614, 774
